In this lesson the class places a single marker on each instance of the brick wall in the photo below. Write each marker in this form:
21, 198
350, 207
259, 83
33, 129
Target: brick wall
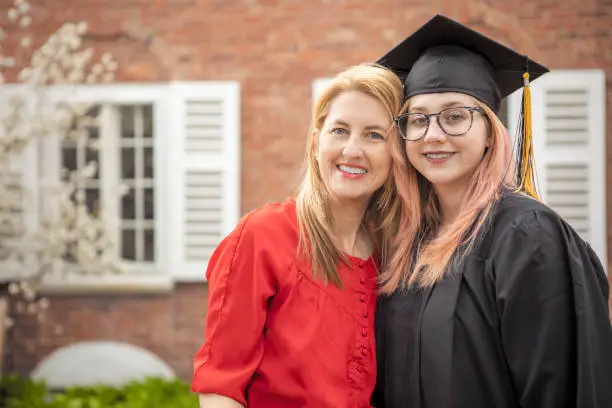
171, 326
275, 49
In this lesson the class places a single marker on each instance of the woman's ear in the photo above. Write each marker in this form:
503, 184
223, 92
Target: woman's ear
315, 143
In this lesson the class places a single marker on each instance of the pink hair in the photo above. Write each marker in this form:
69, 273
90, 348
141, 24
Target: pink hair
423, 253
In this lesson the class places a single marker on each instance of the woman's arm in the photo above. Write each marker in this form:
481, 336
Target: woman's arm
555, 326
218, 401
241, 282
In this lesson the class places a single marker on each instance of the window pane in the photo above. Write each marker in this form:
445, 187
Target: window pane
149, 204
69, 158
91, 155
147, 113
128, 244
92, 199
128, 206
93, 133
149, 245
127, 122
148, 162
93, 111
128, 168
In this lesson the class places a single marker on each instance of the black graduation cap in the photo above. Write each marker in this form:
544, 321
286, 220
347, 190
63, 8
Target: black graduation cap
446, 56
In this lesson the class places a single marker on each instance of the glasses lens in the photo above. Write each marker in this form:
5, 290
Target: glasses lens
455, 121
413, 126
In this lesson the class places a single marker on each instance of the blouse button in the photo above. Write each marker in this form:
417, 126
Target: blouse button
365, 314
362, 280
363, 298
360, 369
364, 351
364, 332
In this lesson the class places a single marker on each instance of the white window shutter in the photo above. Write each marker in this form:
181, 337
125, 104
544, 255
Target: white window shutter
568, 109
204, 172
318, 85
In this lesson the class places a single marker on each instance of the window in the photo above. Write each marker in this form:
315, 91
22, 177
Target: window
127, 145
173, 149
135, 139
568, 109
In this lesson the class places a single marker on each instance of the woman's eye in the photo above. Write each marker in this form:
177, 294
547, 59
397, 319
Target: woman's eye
418, 121
338, 131
376, 135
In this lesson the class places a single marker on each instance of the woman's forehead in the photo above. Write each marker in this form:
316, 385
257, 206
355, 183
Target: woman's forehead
440, 100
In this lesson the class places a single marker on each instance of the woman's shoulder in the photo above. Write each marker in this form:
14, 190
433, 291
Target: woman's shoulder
270, 223
276, 214
267, 234
515, 206
524, 221
519, 211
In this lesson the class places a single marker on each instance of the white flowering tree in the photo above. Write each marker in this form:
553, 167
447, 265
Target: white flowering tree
35, 82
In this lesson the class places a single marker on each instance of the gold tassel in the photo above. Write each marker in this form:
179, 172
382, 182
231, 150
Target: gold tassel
526, 167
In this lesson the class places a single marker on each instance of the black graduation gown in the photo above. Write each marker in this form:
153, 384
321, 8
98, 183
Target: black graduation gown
525, 324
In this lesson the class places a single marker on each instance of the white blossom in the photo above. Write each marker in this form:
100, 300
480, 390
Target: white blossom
108, 77
7, 62
124, 189
97, 69
25, 21
22, 6
81, 28
43, 303
12, 14
69, 237
89, 170
26, 42
14, 288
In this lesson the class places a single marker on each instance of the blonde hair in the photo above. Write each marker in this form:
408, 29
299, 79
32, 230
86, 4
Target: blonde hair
383, 212
424, 253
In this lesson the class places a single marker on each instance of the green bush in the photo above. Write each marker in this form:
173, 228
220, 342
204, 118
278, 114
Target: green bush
150, 393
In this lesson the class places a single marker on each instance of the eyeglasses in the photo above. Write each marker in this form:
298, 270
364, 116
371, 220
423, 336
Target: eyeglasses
454, 121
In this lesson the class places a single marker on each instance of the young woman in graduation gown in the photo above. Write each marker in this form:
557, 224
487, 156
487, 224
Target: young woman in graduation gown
292, 289
492, 300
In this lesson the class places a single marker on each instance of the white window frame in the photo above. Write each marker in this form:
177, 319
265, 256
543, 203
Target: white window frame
318, 85
165, 270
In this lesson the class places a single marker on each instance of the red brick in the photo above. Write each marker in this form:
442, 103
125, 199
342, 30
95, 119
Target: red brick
275, 49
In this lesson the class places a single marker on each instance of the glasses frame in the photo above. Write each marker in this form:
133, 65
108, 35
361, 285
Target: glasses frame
428, 117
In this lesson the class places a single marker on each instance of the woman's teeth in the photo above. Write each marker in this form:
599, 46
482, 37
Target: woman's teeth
437, 155
352, 170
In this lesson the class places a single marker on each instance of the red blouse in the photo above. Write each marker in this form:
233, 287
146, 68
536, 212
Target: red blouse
276, 337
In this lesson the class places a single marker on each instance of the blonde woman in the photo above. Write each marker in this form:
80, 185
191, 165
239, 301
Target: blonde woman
292, 290
492, 299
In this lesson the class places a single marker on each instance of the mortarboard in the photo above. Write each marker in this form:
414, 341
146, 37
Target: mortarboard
446, 56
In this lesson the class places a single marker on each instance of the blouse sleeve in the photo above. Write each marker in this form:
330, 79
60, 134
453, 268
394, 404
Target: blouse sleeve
240, 283
539, 272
